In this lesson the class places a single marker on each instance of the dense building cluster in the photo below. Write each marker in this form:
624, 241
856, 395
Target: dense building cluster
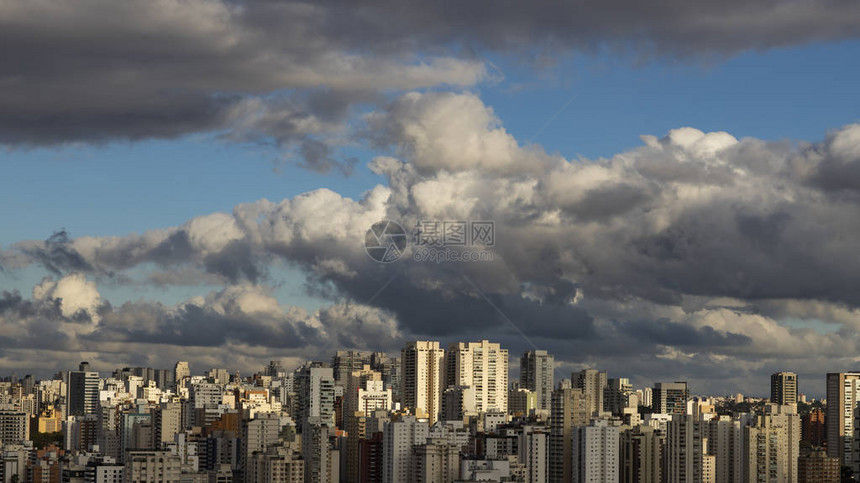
432, 414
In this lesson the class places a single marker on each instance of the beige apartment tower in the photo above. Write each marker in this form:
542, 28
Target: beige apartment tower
422, 367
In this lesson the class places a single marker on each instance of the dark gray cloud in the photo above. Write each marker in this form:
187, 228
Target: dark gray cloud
56, 255
670, 26
290, 73
676, 334
254, 71
244, 319
14, 305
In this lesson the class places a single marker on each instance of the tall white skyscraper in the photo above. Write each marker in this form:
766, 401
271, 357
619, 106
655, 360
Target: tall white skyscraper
423, 373
484, 366
595, 452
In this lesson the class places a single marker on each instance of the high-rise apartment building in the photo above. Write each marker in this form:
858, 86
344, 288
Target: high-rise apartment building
812, 428
153, 467
537, 374
166, 422
457, 402
569, 409
641, 455
772, 446
399, 436
843, 396
181, 374
727, 443
532, 452
617, 395
522, 402
315, 390
103, 470
686, 442
365, 392
218, 375
646, 396
817, 467
595, 452
83, 391
669, 397
390, 369
373, 397
205, 395
14, 426
257, 435
422, 378
276, 465
371, 459
593, 385
316, 451
436, 461
344, 363
275, 370
484, 366
783, 388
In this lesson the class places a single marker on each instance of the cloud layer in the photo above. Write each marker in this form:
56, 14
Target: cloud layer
291, 73
695, 255
66, 321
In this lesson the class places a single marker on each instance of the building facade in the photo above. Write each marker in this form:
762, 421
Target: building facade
783, 388
483, 366
595, 453
843, 440
423, 378
537, 369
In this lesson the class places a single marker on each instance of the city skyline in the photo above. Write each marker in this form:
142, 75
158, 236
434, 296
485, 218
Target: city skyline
361, 418
443, 371
672, 188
